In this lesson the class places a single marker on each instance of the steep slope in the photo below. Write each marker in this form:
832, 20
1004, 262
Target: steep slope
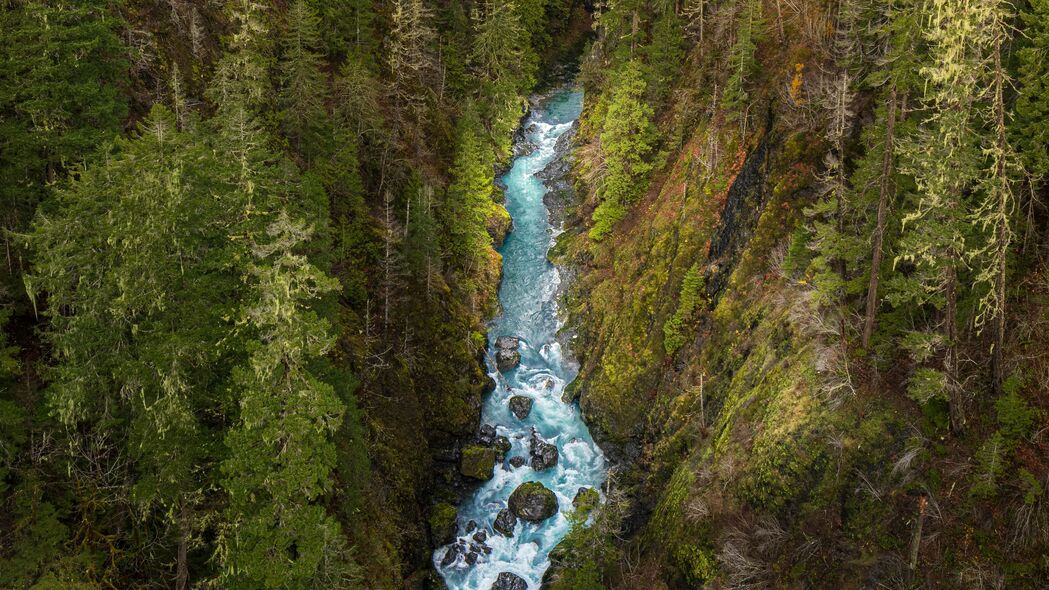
720, 320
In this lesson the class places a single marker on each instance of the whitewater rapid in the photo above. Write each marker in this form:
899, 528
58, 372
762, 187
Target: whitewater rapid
528, 296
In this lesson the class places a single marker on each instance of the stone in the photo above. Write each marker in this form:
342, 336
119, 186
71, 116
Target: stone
478, 462
471, 557
533, 502
502, 445
508, 581
506, 354
450, 555
487, 435
505, 522
507, 343
516, 462
480, 536
544, 455
472, 525
521, 406
506, 360
443, 519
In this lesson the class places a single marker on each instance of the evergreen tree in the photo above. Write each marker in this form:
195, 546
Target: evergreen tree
469, 200
280, 450
627, 141
61, 80
1030, 126
742, 63
945, 160
303, 84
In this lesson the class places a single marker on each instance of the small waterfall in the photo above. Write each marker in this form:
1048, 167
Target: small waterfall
528, 295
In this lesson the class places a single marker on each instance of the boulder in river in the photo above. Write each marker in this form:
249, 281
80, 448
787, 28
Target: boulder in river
508, 581
450, 555
502, 445
544, 455
478, 462
533, 502
481, 536
505, 522
521, 406
516, 462
507, 355
487, 435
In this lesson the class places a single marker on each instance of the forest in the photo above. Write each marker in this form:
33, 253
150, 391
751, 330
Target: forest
253, 251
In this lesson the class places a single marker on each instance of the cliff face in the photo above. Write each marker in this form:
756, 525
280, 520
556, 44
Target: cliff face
755, 444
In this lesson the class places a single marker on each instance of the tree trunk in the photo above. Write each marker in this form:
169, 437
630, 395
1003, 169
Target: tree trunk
182, 570
1002, 231
950, 361
884, 190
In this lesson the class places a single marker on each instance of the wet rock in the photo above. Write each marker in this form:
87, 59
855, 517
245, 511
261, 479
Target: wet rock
544, 455
471, 557
502, 445
508, 581
506, 360
507, 342
450, 555
549, 384
487, 435
521, 406
533, 502
505, 522
516, 462
472, 526
507, 355
523, 148
480, 536
478, 462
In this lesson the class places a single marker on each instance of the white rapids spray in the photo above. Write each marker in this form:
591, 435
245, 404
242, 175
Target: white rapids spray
528, 296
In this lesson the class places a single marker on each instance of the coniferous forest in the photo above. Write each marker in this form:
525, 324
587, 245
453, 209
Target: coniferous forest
353, 294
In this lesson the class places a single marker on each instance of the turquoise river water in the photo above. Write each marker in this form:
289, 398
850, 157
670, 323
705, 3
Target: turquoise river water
528, 295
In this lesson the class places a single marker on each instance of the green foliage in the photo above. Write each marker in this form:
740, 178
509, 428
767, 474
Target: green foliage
61, 78
750, 31
303, 85
692, 295
1030, 129
469, 201
477, 462
280, 450
627, 141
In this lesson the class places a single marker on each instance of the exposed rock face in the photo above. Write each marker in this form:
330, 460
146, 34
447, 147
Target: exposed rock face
508, 581
505, 522
544, 455
451, 554
478, 462
533, 502
507, 355
521, 406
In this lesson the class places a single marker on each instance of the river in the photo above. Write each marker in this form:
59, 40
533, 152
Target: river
528, 297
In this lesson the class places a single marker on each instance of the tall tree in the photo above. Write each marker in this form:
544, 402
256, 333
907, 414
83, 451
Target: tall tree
280, 450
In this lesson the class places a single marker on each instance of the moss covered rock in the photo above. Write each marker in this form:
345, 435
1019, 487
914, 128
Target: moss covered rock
478, 462
533, 502
443, 520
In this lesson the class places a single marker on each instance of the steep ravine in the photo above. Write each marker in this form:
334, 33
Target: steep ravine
524, 419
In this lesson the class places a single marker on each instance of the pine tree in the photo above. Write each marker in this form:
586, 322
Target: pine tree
945, 160
303, 85
61, 81
280, 450
469, 200
742, 63
1030, 126
627, 141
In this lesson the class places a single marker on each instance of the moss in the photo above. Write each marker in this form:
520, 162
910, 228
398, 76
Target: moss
478, 462
443, 523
